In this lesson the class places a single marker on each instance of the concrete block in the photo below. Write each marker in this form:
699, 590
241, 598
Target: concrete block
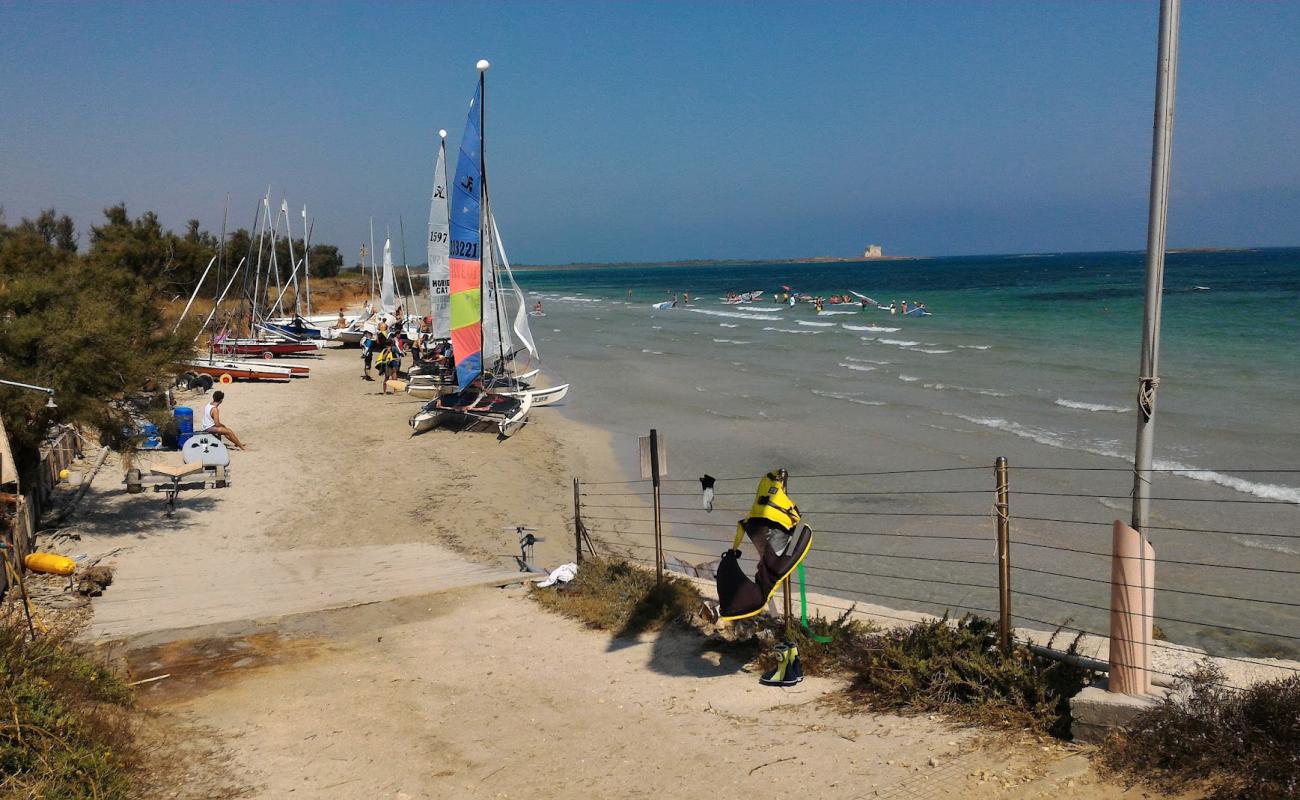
1096, 711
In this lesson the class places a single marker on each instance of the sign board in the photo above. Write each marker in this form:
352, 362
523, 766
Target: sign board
646, 472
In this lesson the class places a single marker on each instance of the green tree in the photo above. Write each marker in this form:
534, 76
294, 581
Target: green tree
89, 326
326, 260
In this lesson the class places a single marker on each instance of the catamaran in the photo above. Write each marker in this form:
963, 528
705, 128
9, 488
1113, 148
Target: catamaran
473, 320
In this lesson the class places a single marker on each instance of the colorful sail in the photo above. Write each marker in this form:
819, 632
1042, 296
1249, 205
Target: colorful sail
387, 290
438, 246
465, 262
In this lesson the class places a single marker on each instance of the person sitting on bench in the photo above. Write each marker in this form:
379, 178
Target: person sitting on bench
212, 420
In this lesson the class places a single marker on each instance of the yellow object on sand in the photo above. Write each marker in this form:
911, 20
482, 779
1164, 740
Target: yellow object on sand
396, 385
52, 563
63, 474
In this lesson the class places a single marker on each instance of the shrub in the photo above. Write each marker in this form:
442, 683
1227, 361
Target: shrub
1208, 736
956, 669
613, 595
63, 731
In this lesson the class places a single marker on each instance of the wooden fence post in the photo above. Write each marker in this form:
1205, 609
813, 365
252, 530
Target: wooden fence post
1003, 506
577, 521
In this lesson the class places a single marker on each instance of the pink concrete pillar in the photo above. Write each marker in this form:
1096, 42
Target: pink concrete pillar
1132, 610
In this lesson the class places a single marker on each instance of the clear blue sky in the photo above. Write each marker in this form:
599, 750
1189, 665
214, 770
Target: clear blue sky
664, 131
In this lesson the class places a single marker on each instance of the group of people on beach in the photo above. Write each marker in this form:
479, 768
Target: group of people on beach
386, 347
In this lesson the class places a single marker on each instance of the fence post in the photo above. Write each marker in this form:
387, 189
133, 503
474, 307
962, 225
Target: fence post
1132, 609
654, 475
1003, 505
577, 521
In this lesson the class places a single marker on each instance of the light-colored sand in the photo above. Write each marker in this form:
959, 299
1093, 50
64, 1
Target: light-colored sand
473, 692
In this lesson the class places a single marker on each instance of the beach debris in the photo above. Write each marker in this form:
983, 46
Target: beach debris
706, 483
93, 580
561, 574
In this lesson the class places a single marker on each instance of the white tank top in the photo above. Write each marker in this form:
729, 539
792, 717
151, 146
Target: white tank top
207, 417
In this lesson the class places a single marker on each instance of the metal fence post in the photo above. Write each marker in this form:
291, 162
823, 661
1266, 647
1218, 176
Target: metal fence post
577, 521
1003, 506
654, 475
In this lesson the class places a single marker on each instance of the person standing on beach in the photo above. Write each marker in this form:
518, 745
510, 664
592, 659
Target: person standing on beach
212, 420
367, 354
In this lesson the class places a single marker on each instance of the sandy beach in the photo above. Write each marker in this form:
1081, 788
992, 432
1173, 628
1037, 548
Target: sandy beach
296, 666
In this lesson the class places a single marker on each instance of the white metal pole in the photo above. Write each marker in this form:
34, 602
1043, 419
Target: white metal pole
203, 278
1148, 378
306, 246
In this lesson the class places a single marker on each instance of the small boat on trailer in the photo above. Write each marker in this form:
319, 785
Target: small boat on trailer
472, 409
264, 348
242, 370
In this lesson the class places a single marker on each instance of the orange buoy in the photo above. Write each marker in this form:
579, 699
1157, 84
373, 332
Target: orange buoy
51, 563
226, 378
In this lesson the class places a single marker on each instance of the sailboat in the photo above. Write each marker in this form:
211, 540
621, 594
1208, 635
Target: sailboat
437, 377
472, 302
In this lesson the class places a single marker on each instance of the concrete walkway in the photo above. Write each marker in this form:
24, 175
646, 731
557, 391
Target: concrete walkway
149, 596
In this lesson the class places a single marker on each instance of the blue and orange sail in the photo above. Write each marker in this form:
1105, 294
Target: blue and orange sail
466, 279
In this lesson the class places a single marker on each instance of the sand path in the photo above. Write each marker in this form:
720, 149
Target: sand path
411, 691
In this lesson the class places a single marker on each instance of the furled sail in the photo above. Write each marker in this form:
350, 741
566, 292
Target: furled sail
387, 293
438, 246
465, 263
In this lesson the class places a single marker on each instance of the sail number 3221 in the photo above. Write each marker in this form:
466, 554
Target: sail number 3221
464, 249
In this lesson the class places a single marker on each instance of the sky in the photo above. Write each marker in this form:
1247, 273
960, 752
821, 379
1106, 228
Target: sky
659, 131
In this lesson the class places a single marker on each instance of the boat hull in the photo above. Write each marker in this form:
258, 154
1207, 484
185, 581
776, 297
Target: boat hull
241, 371
540, 397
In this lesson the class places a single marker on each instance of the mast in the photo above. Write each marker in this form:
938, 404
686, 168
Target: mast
484, 250
288, 232
372, 258
306, 257
410, 288
1161, 153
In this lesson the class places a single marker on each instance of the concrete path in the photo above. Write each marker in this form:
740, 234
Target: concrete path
149, 596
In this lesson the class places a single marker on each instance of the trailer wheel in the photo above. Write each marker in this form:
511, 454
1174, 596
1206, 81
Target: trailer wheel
267, 355
204, 382
226, 377
134, 484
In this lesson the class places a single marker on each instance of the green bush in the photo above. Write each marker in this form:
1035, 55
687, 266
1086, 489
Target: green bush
64, 733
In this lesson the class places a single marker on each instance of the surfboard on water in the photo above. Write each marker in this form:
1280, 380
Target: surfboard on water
665, 304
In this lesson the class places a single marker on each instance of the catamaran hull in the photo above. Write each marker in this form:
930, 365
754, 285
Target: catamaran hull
539, 397
506, 424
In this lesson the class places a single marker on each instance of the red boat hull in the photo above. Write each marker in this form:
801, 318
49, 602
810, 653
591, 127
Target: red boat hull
266, 349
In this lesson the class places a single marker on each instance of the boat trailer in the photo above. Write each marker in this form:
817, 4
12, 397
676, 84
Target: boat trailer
205, 465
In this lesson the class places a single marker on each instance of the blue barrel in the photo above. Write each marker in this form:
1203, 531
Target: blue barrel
184, 420
184, 437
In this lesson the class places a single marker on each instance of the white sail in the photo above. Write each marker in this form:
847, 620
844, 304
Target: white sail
387, 293
439, 242
493, 345
522, 330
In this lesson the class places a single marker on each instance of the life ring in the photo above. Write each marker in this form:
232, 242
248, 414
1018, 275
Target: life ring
226, 378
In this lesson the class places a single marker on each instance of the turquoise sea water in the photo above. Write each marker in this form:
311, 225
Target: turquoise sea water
1032, 357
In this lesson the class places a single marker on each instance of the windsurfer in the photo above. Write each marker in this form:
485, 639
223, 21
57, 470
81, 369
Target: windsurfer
212, 420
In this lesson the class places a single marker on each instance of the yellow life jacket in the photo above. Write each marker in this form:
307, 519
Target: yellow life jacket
772, 503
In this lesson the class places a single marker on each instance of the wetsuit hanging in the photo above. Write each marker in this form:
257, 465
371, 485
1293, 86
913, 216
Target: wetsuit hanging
782, 542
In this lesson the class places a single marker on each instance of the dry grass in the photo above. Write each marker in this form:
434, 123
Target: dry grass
1208, 738
955, 669
613, 595
65, 728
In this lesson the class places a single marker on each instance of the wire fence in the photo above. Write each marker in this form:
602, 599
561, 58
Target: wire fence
927, 541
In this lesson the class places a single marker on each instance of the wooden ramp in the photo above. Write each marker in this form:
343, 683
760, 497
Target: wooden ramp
161, 595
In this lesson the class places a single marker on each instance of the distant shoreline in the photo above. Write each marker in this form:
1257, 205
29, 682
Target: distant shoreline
712, 262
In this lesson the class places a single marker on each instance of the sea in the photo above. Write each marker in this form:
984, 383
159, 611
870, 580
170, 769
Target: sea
1031, 357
